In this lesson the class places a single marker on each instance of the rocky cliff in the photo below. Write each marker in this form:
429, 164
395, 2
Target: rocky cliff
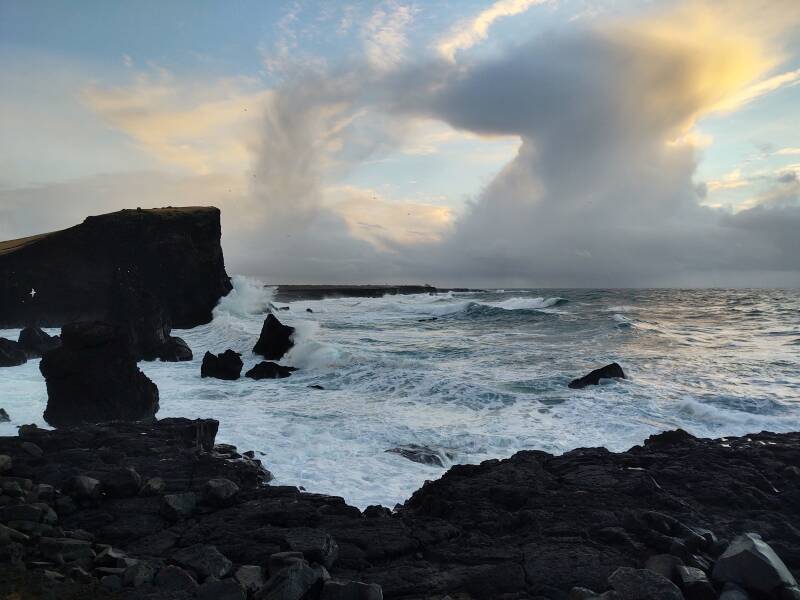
149, 269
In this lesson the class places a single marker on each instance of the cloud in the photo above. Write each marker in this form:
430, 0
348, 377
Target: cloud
384, 34
472, 31
788, 151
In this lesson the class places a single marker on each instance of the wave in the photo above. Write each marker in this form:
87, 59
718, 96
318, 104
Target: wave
247, 298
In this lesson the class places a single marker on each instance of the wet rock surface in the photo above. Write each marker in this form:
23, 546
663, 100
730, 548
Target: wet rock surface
11, 353
656, 521
36, 342
269, 370
227, 365
275, 339
611, 371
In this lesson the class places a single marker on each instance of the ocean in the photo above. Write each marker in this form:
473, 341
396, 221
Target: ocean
473, 376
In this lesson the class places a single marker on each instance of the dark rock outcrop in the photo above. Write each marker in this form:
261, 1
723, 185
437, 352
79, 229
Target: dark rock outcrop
36, 342
227, 365
752, 564
11, 354
275, 339
175, 350
422, 454
608, 372
269, 370
146, 270
93, 377
4, 418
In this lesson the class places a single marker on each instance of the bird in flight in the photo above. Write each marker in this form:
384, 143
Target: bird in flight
33, 292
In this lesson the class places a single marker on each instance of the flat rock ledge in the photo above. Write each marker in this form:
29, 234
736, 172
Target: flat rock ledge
159, 510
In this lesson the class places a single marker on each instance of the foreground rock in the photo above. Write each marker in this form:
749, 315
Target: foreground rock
269, 370
227, 365
93, 377
608, 372
37, 343
653, 522
276, 339
145, 270
423, 454
11, 354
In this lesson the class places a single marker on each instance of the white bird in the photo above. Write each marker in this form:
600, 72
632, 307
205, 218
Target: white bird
33, 292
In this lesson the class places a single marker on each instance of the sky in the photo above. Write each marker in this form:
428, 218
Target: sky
515, 143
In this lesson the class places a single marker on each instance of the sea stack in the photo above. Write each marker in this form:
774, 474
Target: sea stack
93, 377
275, 339
144, 270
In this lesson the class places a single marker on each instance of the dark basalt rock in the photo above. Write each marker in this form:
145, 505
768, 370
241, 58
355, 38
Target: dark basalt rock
422, 454
175, 350
93, 377
4, 418
36, 342
146, 270
608, 372
269, 370
11, 354
275, 339
227, 365
751, 563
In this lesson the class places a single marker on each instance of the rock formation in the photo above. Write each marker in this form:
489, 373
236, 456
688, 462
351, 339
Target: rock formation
275, 339
11, 353
93, 377
227, 365
36, 342
147, 270
269, 370
608, 372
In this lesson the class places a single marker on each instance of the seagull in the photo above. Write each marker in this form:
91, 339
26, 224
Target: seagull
33, 292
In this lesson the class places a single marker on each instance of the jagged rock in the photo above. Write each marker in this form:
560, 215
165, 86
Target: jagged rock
224, 589
220, 492
121, 483
176, 579
422, 454
664, 565
276, 339
227, 365
11, 354
83, 488
674, 437
154, 486
35, 342
608, 372
146, 270
204, 560
643, 584
5, 463
139, 574
269, 370
32, 449
175, 349
250, 577
93, 377
178, 506
350, 590
695, 584
280, 560
751, 563
316, 545
4, 418
292, 582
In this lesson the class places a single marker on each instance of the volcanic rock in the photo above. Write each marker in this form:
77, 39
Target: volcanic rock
643, 584
220, 492
275, 339
175, 350
204, 560
751, 563
269, 370
608, 372
93, 377
350, 590
422, 454
4, 418
36, 342
146, 270
227, 365
11, 354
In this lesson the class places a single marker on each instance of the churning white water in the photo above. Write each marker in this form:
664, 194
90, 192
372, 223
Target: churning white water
480, 375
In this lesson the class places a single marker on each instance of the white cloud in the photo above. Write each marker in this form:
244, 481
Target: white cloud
384, 34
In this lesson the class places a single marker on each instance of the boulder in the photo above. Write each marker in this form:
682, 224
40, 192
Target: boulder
250, 577
643, 584
220, 492
11, 354
139, 574
608, 372
154, 486
227, 365
175, 579
204, 560
269, 370
32, 449
93, 377
36, 342
664, 565
750, 562
315, 545
350, 590
121, 483
694, 583
280, 560
178, 506
275, 339
5, 463
83, 489
731, 591
175, 349
223, 589
146, 270
292, 582
66, 548
422, 454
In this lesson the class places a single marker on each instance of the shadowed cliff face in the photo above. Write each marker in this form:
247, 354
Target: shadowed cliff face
154, 269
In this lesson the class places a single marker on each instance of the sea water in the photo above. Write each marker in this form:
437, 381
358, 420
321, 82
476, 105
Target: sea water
474, 376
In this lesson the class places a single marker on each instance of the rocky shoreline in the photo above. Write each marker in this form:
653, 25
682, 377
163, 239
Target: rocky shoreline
158, 510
